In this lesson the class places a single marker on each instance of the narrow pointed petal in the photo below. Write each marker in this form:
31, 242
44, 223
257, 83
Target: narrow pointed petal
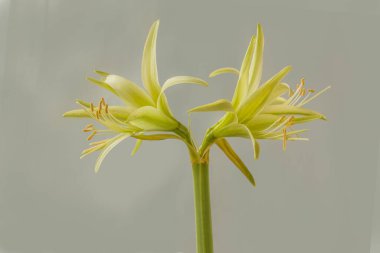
149, 64
101, 73
257, 100
78, 113
256, 67
231, 130
242, 84
162, 101
255, 144
128, 91
225, 70
113, 143
101, 84
218, 105
182, 80
149, 118
156, 137
290, 110
137, 147
235, 159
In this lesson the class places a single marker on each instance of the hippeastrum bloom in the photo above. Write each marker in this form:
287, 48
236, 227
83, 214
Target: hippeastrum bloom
266, 111
144, 110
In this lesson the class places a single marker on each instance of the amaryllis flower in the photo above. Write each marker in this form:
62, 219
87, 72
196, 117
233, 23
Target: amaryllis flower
266, 111
144, 110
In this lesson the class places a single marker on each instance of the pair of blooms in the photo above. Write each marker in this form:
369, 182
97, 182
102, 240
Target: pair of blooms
257, 111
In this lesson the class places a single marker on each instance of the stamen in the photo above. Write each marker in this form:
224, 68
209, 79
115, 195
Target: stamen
103, 101
92, 107
100, 106
97, 114
284, 138
106, 109
91, 135
88, 128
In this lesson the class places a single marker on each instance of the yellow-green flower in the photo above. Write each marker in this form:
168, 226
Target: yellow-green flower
144, 110
266, 111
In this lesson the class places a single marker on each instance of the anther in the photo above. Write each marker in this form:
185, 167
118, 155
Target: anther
284, 138
88, 128
89, 138
106, 109
92, 107
97, 114
103, 101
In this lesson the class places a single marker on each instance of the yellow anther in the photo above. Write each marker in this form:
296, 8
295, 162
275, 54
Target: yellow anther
284, 138
103, 101
303, 91
302, 81
311, 90
91, 135
88, 128
100, 106
97, 114
106, 109
92, 107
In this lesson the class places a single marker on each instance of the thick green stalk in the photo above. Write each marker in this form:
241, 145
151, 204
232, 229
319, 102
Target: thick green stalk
202, 207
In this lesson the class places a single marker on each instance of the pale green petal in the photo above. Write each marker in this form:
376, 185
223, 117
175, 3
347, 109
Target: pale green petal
149, 118
225, 70
257, 100
235, 159
278, 100
289, 110
149, 64
101, 84
101, 73
137, 147
256, 67
182, 80
255, 144
280, 90
119, 112
156, 137
218, 105
262, 121
110, 145
231, 130
78, 113
241, 89
162, 102
128, 91
163, 105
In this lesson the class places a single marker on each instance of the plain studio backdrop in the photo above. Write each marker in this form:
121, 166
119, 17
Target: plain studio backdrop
318, 196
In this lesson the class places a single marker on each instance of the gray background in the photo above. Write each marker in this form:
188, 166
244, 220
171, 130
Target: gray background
316, 197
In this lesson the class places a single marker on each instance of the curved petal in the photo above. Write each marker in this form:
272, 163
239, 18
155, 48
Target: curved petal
110, 145
128, 91
149, 65
149, 118
242, 84
258, 99
235, 159
218, 105
256, 67
137, 147
290, 110
162, 101
224, 71
255, 144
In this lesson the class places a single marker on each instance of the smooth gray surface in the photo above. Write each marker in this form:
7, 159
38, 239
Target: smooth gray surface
316, 197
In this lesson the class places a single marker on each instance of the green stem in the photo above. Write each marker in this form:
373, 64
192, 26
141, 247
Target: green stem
202, 207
